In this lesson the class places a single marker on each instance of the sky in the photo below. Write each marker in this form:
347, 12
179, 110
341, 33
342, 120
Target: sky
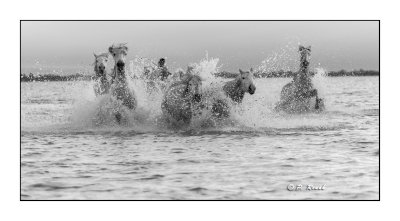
68, 46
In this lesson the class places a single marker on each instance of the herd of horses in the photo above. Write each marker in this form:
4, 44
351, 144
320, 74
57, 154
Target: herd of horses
185, 93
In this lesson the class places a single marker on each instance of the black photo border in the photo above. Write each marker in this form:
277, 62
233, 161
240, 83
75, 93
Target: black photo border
20, 109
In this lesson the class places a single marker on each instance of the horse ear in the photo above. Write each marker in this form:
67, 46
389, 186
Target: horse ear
309, 48
251, 70
181, 74
190, 69
126, 47
95, 55
186, 76
110, 48
240, 71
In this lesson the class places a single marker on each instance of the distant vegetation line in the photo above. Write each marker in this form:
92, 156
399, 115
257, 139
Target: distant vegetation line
223, 74
290, 74
53, 77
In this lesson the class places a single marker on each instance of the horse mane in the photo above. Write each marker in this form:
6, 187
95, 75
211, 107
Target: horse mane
304, 51
118, 46
185, 81
118, 76
232, 90
96, 69
302, 78
105, 54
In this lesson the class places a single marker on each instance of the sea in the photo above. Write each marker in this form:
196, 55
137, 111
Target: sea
71, 149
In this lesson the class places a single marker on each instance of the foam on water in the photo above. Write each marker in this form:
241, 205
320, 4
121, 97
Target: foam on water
99, 111
255, 113
206, 69
254, 155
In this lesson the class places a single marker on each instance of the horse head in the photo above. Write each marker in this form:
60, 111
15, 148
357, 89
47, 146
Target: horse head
119, 53
305, 54
302, 80
245, 81
161, 62
100, 64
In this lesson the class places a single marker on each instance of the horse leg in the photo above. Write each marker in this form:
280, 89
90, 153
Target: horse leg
317, 100
118, 117
319, 104
314, 93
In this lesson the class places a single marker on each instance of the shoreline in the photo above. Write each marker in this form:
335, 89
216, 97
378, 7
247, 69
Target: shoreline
223, 74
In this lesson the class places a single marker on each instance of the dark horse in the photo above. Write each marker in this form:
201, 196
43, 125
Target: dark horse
299, 95
234, 90
180, 98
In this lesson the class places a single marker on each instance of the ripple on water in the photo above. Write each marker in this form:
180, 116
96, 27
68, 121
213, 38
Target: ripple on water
153, 177
244, 162
53, 186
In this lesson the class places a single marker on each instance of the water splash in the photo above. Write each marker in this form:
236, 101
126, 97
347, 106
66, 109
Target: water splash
206, 69
320, 80
284, 59
255, 113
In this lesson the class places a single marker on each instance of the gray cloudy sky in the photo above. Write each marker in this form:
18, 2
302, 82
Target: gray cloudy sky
335, 45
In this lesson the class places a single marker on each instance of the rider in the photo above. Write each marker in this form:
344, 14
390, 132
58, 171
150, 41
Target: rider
163, 70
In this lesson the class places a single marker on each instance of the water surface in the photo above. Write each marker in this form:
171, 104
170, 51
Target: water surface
65, 156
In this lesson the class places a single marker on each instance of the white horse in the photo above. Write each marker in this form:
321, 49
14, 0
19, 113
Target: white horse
181, 97
235, 90
102, 85
299, 95
119, 85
